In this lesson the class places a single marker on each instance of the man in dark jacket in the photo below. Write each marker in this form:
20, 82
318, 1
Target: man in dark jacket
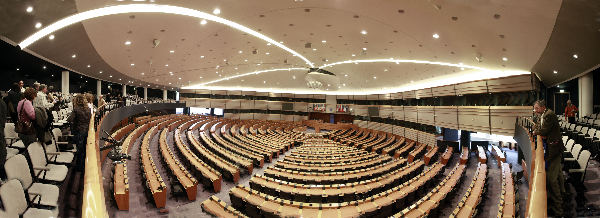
549, 129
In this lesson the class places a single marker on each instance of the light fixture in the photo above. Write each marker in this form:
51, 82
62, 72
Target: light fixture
294, 77
436, 36
44, 67
374, 77
203, 22
128, 42
353, 55
562, 91
51, 37
29, 9
504, 59
412, 81
149, 8
364, 32
314, 49
344, 84
18, 69
324, 41
202, 56
73, 56
166, 65
217, 11
100, 72
555, 72
240, 51
267, 53
246, 60
132, 64
179, 78
575, 56
110, 76
172, 51
143, 74
38, 25
346, 75
88, 66
364, 49
264, 81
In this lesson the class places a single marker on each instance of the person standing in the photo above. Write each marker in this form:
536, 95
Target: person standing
570, 111
80, 120
549, 129
21, 88
12, 100
42, 100
26, 113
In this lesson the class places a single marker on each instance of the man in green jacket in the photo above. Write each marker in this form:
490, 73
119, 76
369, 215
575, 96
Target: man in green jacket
549, 129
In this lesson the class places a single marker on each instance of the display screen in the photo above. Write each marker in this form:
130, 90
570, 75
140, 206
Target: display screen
218, 111
179, 110
200, 110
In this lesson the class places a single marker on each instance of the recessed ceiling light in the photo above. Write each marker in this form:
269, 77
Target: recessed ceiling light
18, 69
374, 77
51, 37
29, 9
110, 76
555, 72
203, 22
74, 56
179, 77
294, 77
462, 68
267, 53
246, 60
127, 42
575, 56
364, 32
353, 55
385, 70
201, 77
217, 11
143, 74
166, 65
38, 25
436, 36
132, 64
169, 83
119, 79
240, 51
504, 59
314, 49
344, 84
324, 41
100, 72
172, 51
364, 49
202, 56
268, 44
346, 75
88, 66
412, 81
242, 80
44, 67
264, 81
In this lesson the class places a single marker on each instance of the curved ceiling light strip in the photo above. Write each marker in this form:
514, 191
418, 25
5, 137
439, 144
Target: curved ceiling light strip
391, 60
149, 8
241, 75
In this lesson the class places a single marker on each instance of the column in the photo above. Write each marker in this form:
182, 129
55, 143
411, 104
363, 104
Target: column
98, 88
164, 94
145, 93
176, 95
65, 82
586, 94
124, 90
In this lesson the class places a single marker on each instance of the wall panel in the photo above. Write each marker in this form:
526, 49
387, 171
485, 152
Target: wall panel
446, 116
503, 118
426, 115
410, 114
474, 118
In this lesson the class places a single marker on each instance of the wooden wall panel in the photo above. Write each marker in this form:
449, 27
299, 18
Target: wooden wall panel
247, 104
510, 84
410, 114
203, 91
219, 92
261, 116
446, 116
398, 112
275, 95
233, 104
217, 103
246, 116
274, 105
443, 91
385, 111
261, 105
503, 118
426, 115
273, 117
360, 97
300, 106
234, 92
423, 93
474, 118
372, 97
475, 87
396, 95
360, 110
409, 95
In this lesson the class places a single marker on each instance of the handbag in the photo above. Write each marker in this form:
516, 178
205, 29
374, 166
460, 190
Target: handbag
23, 126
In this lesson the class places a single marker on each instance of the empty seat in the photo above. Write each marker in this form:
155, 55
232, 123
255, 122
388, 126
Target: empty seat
578, 174
13, 198
18, 168
60, 142
12, 138
42, 170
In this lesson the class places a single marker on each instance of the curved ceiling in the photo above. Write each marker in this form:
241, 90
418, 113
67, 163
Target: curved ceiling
495, 38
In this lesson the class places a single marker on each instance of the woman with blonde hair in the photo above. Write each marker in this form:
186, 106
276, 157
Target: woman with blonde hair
80, 122
90, 102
